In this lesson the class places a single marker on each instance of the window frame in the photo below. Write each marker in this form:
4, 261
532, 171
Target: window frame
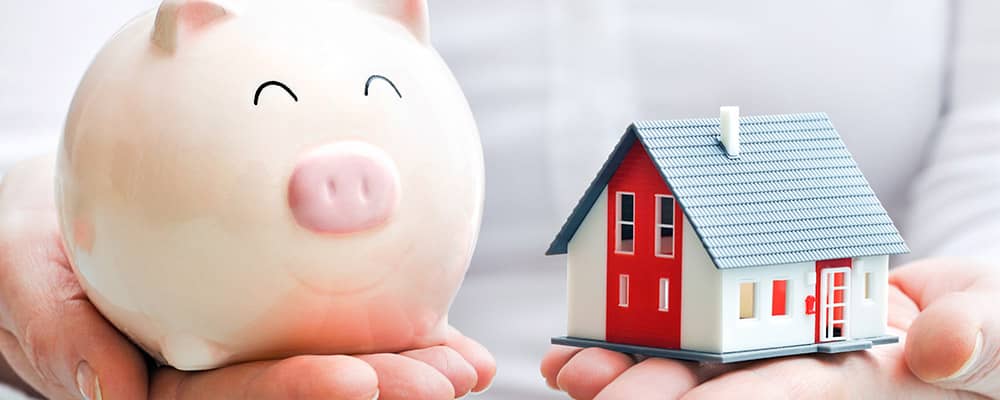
664, 295
623, 290
656, 231
619, 222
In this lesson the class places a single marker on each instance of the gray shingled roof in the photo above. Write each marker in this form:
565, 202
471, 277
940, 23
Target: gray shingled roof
794, 195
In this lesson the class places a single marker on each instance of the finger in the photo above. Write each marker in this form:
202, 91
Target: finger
303, 377
68, 346
902, 309
590, 370
874, 374
791, 378
928, 280
670, 378
403, 378
477, 356
553, 362
450, 364
955, 343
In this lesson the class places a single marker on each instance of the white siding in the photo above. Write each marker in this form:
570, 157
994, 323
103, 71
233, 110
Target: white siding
701, 307
587, 274
764, 330
868, 318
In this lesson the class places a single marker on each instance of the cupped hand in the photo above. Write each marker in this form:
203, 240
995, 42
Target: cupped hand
59, 344
943, 309
449, 371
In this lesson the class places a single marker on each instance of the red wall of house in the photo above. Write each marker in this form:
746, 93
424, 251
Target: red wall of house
642, 322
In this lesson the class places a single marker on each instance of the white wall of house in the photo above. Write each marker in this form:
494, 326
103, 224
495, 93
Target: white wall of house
765, 330
701, 307
869, 315
586, 274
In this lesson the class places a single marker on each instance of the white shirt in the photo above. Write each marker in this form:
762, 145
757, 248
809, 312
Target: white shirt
912, 85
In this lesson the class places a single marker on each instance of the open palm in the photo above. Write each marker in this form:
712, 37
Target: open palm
941, 309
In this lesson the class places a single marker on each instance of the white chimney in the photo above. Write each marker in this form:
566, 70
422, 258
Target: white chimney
731, 130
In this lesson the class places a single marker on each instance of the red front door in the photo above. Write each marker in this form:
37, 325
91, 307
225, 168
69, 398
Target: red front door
644, 256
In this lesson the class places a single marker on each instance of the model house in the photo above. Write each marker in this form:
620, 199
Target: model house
728, 240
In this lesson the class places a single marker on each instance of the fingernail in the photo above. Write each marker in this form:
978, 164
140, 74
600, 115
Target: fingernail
375, 397
87, 382
971, 363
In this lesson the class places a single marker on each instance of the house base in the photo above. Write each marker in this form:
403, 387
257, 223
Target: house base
738, 356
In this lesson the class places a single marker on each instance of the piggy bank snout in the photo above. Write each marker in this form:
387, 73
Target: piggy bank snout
343, 188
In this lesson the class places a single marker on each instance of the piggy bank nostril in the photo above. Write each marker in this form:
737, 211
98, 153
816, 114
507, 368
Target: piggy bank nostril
365, 190
331, 190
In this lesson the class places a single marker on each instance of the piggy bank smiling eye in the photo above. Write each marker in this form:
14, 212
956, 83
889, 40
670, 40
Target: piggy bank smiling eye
265, 85
374, 78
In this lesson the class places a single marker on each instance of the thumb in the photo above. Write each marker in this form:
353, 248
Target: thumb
955, 343
50, 333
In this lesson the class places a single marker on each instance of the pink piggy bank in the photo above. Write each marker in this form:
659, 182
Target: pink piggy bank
257, 179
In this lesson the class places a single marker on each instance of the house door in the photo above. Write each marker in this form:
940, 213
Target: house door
644, 256
834, 296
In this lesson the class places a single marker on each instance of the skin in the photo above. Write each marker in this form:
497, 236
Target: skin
48, 329
938, 306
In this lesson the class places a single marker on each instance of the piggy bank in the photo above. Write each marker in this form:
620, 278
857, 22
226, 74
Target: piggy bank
257, 179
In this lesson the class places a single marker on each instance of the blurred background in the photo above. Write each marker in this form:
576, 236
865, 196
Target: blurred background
912, 85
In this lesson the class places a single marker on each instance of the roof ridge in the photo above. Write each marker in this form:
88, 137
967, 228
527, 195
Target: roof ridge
744, 120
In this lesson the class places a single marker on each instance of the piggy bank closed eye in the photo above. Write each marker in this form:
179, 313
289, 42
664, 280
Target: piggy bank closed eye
254, 179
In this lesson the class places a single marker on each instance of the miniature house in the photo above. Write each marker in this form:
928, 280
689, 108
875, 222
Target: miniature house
728, 240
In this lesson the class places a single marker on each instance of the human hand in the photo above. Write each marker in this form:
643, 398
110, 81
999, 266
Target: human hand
950, 348
56, 340
443, 372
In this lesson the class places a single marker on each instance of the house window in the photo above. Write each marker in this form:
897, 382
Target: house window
623, 291
664, 294
664, 226
868, 285
748, 300
779, 298
625, 223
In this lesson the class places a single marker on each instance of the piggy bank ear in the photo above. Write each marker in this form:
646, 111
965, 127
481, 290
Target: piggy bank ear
177, 18
411, 13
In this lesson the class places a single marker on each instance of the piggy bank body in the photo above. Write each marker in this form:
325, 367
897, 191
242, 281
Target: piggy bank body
257, 179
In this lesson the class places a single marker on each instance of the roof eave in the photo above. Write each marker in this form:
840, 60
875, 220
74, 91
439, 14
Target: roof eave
560, 245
